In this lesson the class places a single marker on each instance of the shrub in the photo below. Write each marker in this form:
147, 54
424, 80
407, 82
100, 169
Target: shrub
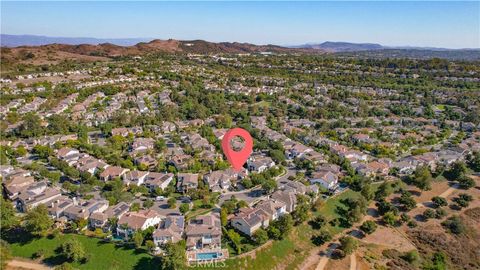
454, 225
411, 256
348, 244
429, 213
439, 201
368, 226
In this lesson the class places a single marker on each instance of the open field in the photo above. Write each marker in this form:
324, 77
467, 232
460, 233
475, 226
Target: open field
101, 255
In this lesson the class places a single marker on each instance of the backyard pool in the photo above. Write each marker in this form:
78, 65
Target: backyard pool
208, 256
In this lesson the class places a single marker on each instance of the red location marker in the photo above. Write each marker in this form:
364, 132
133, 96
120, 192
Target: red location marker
237, 158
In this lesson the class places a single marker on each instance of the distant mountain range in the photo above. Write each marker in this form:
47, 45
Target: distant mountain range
331, 46
32, 40
93, 48
342, 46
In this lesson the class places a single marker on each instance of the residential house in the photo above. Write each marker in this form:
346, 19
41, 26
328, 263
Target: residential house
57, 207
83, 209
181, 161
274, 209
204, 231
287, 197
146, 160
187, 181
325, 178
222, 180
154, 180
248, 220
134, 177
100, 220
16, 182
259, 164
134, 221
34, 197
112, 172
170, 230
142, 145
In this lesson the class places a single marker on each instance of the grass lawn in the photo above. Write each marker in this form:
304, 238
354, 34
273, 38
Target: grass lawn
102, 255
329, 209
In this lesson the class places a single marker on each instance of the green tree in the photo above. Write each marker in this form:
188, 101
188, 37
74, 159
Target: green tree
160, 145
300, 214
368, 226
456, 171
37, 220
184, 207
21, 151
277, 156
407, 201
135, 207
389, 218
466, 182
31, 126
473, 161
148, 203
383, 191
423, 178
318, 222
439, 201
174, 258
348, 244
150, 246
439, 262
269, 185
411, 256
73, 250
5, 254
224, 216
429, 213
172, 202
235, 239
137, 239
7, 212
43, 151
260, 236
368, 192
322, 237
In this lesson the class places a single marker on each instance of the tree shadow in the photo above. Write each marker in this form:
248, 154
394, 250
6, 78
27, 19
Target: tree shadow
147, 263
420, 218
18, 235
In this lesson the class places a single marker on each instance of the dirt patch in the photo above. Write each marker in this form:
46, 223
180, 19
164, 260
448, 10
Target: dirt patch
361, 263
438, 188
23, 264
462, 250
341, 264
473, 214
389, 238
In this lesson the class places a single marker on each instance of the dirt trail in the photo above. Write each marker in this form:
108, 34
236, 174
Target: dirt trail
324, 259
24, 264
353, 261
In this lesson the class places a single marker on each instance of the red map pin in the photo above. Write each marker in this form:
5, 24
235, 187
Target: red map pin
237, 158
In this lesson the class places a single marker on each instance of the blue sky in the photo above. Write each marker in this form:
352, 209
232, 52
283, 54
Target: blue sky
441, 24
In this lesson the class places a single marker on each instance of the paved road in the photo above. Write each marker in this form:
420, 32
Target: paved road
248, 195
254, 194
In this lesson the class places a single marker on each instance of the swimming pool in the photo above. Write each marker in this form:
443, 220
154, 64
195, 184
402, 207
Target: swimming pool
208, 256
